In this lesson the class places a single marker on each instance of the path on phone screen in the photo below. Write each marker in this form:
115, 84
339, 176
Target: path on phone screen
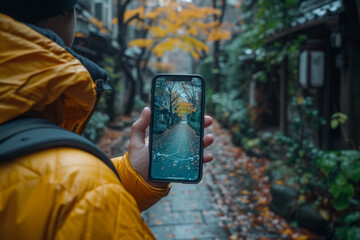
177, 145
231, 202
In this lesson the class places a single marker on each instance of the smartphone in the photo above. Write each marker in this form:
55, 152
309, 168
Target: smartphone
176, 128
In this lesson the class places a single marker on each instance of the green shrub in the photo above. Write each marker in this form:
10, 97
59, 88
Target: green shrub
193, 121
329, 178
159, 127
233, 113
96, 126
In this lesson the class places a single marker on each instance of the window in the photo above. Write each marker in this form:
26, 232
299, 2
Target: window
312, 68
99, 10
102, 10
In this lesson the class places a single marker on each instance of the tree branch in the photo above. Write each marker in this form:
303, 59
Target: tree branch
136, 16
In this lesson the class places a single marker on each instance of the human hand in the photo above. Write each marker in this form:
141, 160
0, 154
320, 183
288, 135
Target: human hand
139, 151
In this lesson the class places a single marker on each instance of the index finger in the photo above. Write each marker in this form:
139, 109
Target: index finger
207, 121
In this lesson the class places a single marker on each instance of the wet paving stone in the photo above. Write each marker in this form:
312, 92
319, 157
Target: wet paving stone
163, 232
211, 216
197, 195
199, 231
175, 218
188, 212
162, 207
192, 203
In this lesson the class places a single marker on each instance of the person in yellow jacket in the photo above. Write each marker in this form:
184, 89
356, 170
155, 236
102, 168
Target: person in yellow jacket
65, 193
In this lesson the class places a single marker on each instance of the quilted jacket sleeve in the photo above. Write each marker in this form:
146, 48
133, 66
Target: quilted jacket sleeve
144, 194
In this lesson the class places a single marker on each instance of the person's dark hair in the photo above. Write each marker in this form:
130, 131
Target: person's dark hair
68, 14
33, 11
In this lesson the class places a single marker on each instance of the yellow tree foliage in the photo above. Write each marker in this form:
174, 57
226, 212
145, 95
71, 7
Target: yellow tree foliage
216, 35
99, 24
176, 25
184, 108
141, 42
133, 12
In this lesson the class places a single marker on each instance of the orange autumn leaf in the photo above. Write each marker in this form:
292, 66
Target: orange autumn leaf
302, 198
303, 237
232, 174
279, 182
141, 43
300, 100
184, 108
245, 200
263, 201
262, 209
80, 35
114, 21
324, 214
287, 231
245, 192
266, 214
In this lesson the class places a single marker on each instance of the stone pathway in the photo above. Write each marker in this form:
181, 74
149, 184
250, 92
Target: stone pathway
188, 212
219, 207
231, 202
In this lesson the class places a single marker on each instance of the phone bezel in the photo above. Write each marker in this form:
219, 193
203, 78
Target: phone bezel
182, 76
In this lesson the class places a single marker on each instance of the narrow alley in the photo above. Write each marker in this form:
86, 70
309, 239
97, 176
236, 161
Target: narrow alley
231, 202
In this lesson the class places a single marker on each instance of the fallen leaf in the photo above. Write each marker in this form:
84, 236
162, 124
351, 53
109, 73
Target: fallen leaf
279, 182
287, 231
245, 200
245, 192
325, 214
303, 237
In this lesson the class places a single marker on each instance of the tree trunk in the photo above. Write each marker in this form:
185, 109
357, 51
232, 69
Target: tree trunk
130, 101
283, 96
170, 108
122, 62
139, 71
131, 98
110, 105
217, 72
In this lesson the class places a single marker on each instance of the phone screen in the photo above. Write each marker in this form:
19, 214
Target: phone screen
176, 128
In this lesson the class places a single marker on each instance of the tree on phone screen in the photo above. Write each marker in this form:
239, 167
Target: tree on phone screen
173, 96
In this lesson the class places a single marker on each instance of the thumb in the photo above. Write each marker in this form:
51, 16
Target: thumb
139, 127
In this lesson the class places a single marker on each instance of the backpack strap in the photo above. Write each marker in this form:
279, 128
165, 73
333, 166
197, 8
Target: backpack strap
23, 136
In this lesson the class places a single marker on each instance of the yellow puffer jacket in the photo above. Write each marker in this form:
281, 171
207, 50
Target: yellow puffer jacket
61, 193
